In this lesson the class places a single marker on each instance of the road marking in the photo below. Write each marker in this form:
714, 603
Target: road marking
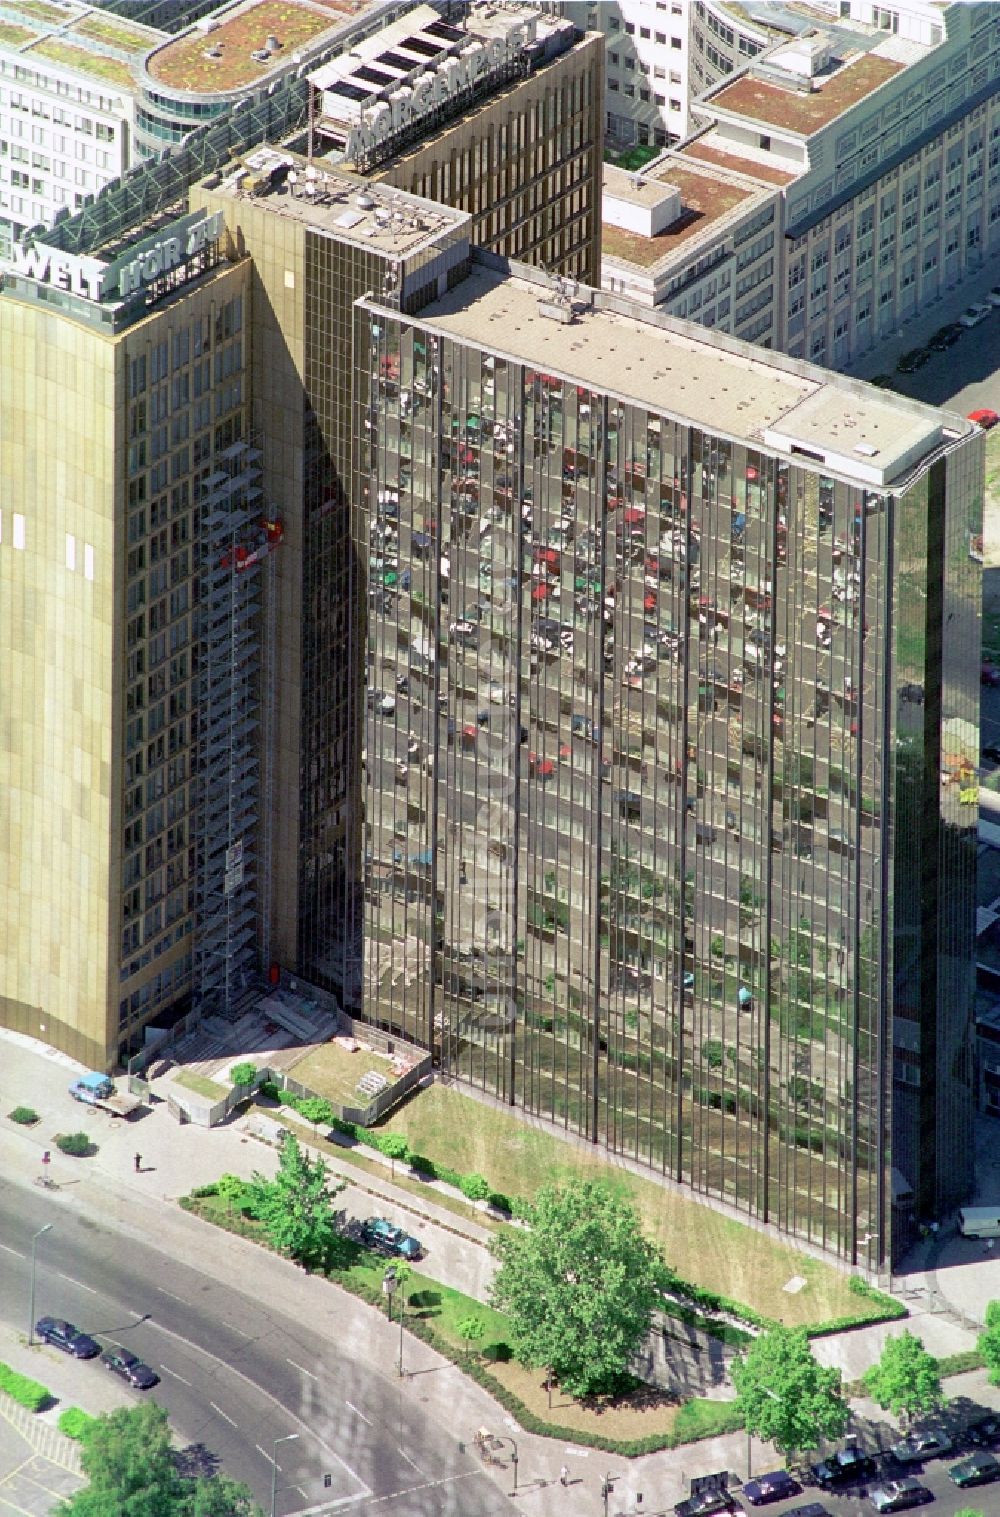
171, 1295
412, 1463
173, 1374
302, 1369
80, 1285
358, 1413
15, 1251
372, 1501
224, 1415
265, 1455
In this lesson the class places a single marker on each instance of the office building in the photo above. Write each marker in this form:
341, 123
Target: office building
128, 707
670, 737
880, 143
183, 910
67, 108
499, 116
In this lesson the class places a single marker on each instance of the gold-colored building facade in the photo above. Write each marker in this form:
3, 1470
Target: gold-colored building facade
105, 440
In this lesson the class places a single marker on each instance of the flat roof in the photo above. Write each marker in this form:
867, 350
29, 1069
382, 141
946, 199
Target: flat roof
705, 199
873, 431
806, 112
57, 48
636, 189
723, 385
188, 63
343, 205
706, 150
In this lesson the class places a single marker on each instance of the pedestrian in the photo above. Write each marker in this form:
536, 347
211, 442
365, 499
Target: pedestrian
138, 1163
564, 1476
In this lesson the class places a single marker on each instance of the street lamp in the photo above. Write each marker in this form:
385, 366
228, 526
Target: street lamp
31, 1303
288, 1438
389, 1283
402, 1314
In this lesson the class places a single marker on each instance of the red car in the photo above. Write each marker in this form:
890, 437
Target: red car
986, 418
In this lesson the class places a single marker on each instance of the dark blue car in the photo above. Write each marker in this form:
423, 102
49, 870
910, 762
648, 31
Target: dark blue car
776, 1486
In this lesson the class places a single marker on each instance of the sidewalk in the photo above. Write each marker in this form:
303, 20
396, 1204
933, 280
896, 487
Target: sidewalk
176, 1158
915, 330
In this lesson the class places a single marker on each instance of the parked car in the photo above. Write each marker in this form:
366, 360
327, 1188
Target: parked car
985, 417
982, 1432
989, 674
64, 1336
847, 1464
775, 1486
899, 1495
882, 382
991, 752
974, 314
130, 1367
389, 1239
979, 1469
707, 1502
930, 1444
811, 1509
945, 337
914, 359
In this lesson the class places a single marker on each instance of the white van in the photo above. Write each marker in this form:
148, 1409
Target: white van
979, 1221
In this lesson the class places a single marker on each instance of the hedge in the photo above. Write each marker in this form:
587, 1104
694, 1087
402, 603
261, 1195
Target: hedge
960, 1364
24, 1390
74, 1423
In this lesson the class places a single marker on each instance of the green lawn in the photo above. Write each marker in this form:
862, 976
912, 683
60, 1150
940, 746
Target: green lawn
332, 1071
702, 1245
200, 1084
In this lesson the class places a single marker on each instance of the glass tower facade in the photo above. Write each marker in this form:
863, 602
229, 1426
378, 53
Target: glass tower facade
667, 754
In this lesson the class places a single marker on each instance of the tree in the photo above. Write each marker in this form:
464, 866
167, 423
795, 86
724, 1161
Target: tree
243, 1074
394, 1146
988, 1342
785, 1396
579, 1284
907, 1379
315, 1109
131, 1472
296, 1207
471, 1330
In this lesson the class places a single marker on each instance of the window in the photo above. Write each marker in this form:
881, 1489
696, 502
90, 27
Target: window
764, 142
644, 33
661, 38
676, 42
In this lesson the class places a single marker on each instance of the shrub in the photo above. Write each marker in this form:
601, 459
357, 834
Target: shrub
76, 1144
24, 1390
74, 1423
271, 1091
474, 1187
243, 1074
211, 1189
424, 1166
25, 1115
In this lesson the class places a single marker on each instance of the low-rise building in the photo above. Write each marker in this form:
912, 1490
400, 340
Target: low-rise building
882, 143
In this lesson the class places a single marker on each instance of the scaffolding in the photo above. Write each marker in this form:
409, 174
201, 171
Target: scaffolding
236, 538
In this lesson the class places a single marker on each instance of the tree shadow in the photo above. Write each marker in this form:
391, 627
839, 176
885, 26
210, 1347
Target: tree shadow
498, 1353
196, 1460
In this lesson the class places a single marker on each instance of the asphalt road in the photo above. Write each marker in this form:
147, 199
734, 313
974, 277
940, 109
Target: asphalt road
235, 1374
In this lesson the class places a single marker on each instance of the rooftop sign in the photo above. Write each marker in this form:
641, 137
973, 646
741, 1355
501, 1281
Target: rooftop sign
169, 254
389, 120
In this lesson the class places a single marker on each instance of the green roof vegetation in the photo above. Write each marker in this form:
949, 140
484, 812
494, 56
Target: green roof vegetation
40, 10
184, 64
116, 33
14, 36
85, 62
